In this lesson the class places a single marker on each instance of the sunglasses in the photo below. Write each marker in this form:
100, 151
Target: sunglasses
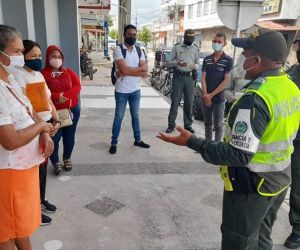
215, 41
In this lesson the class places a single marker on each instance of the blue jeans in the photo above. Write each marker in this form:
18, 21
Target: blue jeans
134, 104
68, 135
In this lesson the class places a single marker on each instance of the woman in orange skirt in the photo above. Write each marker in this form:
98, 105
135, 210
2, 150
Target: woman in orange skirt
24, 143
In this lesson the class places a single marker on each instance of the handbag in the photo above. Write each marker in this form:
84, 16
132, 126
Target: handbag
37, 94
65, 117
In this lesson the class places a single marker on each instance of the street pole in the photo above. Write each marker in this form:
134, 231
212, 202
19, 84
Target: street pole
238, 30
174, 13
124, 16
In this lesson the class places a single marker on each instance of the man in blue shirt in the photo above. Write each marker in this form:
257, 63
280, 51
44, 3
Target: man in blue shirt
215, 75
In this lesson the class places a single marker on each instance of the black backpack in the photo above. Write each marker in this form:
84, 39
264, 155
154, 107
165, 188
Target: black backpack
113, 69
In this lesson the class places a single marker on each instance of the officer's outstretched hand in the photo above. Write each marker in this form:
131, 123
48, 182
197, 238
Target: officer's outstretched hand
180, 139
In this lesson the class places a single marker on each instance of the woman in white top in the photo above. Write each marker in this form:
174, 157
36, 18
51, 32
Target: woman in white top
24, 143
29, 75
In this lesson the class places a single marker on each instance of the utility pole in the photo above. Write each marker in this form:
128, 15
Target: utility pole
124, 16
174, 15
136, 20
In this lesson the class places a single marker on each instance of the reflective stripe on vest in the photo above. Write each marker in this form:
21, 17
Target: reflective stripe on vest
265, 168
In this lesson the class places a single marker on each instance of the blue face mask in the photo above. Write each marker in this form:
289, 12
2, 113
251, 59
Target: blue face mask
34, 64
217, 46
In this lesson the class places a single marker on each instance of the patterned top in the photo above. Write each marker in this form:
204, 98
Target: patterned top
13, 112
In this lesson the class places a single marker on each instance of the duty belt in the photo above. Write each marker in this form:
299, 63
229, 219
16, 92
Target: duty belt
182, 73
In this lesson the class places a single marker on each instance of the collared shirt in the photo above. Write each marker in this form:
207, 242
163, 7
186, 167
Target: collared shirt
215, 74
187, 54
24, 77
128, 84
14, 113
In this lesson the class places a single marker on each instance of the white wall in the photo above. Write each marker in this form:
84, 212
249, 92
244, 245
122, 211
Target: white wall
1, 15
52, 21
30, 19
290, 9
203, 21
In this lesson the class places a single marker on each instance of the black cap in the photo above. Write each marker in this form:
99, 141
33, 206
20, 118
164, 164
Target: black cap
189, 32
297, 40
267, 43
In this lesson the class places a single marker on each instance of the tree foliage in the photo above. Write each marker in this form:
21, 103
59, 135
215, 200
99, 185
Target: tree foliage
110, 21
113, 34
145, 35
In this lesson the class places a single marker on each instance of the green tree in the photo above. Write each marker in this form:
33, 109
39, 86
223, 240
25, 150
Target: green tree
113, 34
110, 21
145, 35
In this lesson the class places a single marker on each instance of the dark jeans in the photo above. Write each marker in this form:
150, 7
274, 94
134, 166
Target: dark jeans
43, 179
214, 115
185, 85
247, 220
68, 135
294, 214
134, 104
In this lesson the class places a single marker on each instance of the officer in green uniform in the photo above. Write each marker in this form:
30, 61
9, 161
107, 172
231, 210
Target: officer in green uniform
293, 241
258, 143
184, 58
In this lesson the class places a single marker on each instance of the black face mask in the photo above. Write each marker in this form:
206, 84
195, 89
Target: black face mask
34, 64
130, 40
298, 55
187, 43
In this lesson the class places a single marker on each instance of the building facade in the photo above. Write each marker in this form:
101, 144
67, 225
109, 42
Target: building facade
201, 16
46, 22
168, 28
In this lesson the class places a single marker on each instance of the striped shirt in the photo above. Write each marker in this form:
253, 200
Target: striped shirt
215, 73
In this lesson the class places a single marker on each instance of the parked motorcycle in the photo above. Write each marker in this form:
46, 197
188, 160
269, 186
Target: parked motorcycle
86, 66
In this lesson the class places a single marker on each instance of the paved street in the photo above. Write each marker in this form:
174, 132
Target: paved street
162, 198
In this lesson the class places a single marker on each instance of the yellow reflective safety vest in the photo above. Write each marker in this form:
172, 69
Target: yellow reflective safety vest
272, 158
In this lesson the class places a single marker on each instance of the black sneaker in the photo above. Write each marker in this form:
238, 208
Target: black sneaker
113, 149
141, 144
190, 129
293, 241
48, 207
169, 130
46, 220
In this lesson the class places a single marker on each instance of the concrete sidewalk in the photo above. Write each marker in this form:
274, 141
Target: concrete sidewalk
165, 197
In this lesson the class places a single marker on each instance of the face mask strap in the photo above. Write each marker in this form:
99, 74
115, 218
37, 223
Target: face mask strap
4, 54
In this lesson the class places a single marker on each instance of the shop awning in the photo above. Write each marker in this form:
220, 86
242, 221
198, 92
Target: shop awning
279, 26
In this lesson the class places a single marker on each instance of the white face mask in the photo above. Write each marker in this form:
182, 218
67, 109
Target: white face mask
217, 47
55, 62
246, 58
16, 63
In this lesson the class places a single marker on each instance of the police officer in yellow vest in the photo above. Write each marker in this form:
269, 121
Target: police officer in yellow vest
256, 152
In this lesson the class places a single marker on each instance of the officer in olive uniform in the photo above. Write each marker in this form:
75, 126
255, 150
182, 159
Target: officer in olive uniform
293, 241
184, 59
258, 143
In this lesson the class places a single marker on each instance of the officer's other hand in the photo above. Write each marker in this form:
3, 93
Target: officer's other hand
180, 139
181, 63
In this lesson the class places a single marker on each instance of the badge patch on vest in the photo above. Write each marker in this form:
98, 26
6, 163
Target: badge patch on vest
242, 135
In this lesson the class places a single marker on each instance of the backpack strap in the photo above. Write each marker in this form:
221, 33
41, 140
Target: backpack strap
139, 51
122, 50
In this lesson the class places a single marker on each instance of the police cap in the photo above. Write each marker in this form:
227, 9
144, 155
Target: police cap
189, 32
267, 43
